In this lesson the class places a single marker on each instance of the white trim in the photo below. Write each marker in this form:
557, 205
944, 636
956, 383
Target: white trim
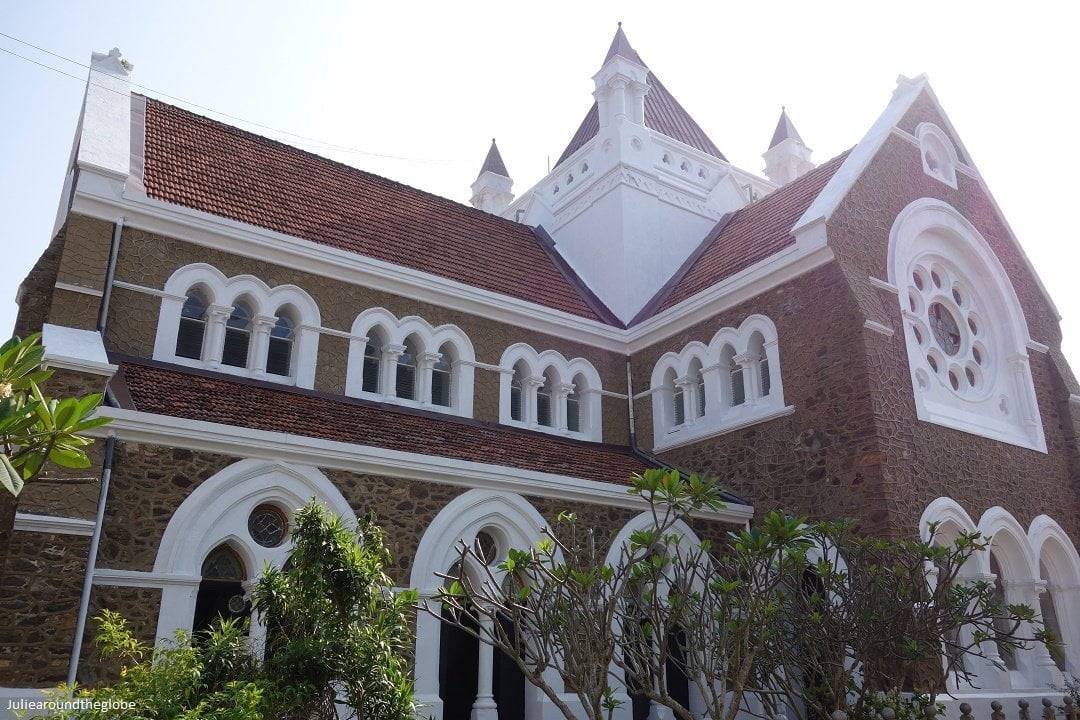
71, 287
103, 198
140, 578
74, 349
30, 522
928, 133
689, 437
1037, 347
135, 426
879, 328
884, 285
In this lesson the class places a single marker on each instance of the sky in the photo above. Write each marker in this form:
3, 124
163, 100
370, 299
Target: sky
415, 91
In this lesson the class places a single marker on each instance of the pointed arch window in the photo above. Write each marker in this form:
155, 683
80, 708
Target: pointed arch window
442, 377
676, 408
192, 330
279, 352
372, 362
573, 405
543, 401
697, 381
405, 384
237, 335
517, 392
221, 591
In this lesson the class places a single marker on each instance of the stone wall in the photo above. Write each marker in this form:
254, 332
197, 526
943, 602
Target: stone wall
39, 600
820, 461
147, 259
921, 461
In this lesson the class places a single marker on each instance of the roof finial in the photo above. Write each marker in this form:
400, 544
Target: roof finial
619, 23
493, 162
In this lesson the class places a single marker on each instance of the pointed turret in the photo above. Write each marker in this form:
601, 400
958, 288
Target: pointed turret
787, 157
491, 189
621, 84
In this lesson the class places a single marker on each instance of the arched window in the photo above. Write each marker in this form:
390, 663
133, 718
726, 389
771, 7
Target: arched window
237, 335
1052, 622
964, 328
544, 414
405, 385
757, 350
373, 352
1001, 625
677, 406
280, 349
441, 377
697, 381
221, 591
192, 330
939, 157
733, 375
517, 398
573, 404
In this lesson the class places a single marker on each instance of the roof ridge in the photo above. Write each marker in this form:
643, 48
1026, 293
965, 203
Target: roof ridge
331, 161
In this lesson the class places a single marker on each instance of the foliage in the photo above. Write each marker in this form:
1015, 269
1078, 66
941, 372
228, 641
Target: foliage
336, 630
336, 633
561, 596
790, 617
210, 677
36, 429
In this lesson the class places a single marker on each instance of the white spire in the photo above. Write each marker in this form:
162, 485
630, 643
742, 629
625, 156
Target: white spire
491, 189
787, 157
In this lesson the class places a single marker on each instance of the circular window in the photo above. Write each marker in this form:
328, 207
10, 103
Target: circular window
268, 526
486, 548
945, 329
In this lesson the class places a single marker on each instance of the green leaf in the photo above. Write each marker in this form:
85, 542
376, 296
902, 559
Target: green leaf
9, 476
69, 458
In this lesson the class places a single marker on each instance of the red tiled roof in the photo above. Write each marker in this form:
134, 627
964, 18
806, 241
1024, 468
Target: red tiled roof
749, 235
200, 395
663, 113
193, 161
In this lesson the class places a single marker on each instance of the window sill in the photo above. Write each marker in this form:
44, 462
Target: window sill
394, 400
231, 370
706, 427
551, 431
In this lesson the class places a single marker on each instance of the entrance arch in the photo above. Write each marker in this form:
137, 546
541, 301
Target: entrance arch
508, 521
1059, 568
219, 512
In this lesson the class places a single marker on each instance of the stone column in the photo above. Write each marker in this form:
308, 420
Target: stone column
750, 377
484, 707
388, 368
260, 342
529, 386
214, 341
424, 364
685, 386
1034, 660
559, 393
426, 670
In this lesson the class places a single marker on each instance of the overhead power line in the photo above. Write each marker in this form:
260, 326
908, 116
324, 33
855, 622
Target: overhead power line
307, 139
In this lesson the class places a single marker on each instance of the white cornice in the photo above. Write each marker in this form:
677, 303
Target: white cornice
135, 426
139, 578
29, 522
100, 198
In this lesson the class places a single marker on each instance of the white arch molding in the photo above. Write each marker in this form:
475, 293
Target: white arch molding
221, 293
1017, 557
686, 535
748, 355
1059, 568
576, 375
216, 512
997, 400
513, 523
430, 340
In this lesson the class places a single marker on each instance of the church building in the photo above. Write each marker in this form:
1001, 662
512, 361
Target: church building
861, 336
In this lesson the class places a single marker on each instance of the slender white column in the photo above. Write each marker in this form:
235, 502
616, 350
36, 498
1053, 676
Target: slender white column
426, 671
214, 341
559, 393
750, 377
484, 708
529, 386
424, 364
686, 386
388, 369
260, 342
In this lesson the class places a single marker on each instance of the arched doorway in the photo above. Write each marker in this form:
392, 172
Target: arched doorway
456, 676
221, 591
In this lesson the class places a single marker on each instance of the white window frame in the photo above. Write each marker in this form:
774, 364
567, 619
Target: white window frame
221, 293
552, 363
930, 135
430, 340
930, 227
720, 416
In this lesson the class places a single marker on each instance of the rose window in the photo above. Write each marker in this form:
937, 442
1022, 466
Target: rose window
943, 317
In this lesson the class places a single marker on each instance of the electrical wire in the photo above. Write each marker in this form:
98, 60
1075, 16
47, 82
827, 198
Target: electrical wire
322, 143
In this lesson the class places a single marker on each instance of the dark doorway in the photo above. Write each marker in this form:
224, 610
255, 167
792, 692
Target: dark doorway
678, 685
459, 657
221, 591
508, 684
